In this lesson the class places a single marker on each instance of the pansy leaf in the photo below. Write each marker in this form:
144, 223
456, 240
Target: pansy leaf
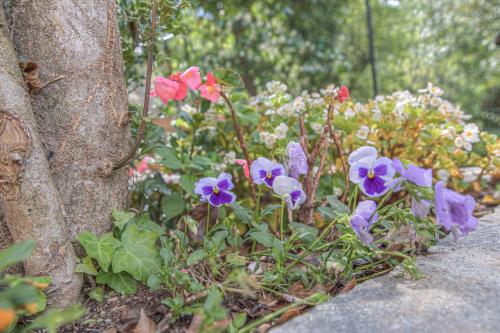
269, 210
337, 205
196, 257
137, 254
263, 237
101, 249
243, 214
187, 183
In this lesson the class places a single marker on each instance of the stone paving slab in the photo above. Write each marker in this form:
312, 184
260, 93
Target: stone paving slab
460, 293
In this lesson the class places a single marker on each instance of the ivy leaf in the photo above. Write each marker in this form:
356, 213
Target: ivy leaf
121, 218
169, 158
172, 205
122, 282
196, 257
86, 266
101, 249
243, 214
137, 254
97, 294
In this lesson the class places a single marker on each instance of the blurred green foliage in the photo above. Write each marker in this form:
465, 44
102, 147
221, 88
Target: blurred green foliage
311, 43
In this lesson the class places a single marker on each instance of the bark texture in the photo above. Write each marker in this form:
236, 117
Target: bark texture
29, 200
81, 111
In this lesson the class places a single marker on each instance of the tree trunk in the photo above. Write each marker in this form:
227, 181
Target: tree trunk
28, 198
82, 110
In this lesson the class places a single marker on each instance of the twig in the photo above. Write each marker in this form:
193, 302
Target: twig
241, 140
340, 151
142, 127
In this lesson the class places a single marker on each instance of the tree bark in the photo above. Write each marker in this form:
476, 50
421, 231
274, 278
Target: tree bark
28, 197
82, 110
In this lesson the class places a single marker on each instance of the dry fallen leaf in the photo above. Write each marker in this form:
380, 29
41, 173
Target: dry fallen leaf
195, 325
289, 314
263, 328
145, 325
348, 287
297, 290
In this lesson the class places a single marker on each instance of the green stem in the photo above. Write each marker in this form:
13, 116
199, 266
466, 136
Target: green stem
257, 206
303, 255
282, 223
208, 219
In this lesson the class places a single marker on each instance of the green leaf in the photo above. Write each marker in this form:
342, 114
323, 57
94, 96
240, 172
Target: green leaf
154, 281
122, 283
169, 158
228, 77
202, 160
240, 320
213, 305
205, 105
53, 319
337, 205
243, 214
121, 218
304, 232
187, 183
328, 212
101, 249
172, 205
16, 253
97, 294
269, 210
236, 260
86, 266
263, 237
278, 251
137, 254
196, 257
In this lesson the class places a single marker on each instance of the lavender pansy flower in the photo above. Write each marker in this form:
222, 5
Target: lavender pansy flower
216, 190
454, 211
365, 154
297, 160
364, 216
372, 174
420, 208
290, 190
264, 171
416, 175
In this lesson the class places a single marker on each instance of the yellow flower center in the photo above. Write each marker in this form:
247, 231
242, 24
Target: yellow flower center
469, 134
371, 175
216, 190
269, 175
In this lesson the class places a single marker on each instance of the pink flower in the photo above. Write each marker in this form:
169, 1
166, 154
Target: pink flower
343, 94
166, 89
210, 90
246, 169
191, 77
182, 90
144, 165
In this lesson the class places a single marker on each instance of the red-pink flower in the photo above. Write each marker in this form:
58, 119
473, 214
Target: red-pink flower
143, 165
182, 90
191, 77
246, 169
343, 94
166, 89
210, 90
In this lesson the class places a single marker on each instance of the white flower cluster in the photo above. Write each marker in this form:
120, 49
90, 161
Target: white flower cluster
469, 136
230, 157
269, 139
281, 131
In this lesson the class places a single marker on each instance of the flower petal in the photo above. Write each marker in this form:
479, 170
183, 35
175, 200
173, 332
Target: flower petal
364, 154
224, 181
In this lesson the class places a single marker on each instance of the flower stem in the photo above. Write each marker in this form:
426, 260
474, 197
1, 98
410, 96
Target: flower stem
208, 220
282, 227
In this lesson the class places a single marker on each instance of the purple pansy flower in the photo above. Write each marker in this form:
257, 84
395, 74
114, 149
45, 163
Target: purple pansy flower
290, 190
416, 175
216, 190
454, 211
264, 171
372, 174
420, 208
364, 216
297, 164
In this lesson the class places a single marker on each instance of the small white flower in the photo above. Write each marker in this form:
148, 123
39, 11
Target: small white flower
349, 113
470, 133
461, 143
230, 158
317, 128
171, 179
376, 114
363, 132
281, 131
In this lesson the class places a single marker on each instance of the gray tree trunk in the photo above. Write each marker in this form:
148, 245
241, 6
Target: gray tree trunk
82, 112
29, 199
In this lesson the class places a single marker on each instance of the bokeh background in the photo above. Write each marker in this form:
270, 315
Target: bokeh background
309, 44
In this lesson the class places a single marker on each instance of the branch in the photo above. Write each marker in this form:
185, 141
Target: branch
142, 127
241, 140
